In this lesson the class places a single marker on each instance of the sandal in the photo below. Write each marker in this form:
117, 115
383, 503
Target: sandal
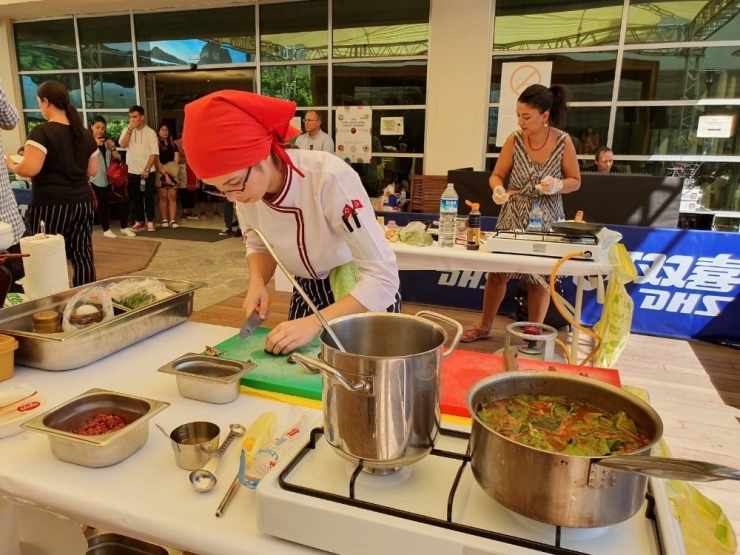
476, 333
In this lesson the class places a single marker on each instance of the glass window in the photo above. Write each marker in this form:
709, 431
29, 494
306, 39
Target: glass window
294, 31
685, 73
682, 20
555, 24
32, 119
589, 76
650, 130
116, 123
105, 41
46, 45
380, 28
587, 127
217, 36
29, 84
380, 83
109, 90
175, 89
305, 85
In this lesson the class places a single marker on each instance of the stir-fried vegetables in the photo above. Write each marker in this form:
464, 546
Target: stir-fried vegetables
561, 425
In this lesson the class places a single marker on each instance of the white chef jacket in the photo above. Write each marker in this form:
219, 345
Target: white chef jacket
321, 221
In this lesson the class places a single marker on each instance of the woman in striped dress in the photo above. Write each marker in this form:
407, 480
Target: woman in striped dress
540, 163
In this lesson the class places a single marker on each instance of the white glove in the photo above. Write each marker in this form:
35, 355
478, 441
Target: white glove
550, 185
500, 196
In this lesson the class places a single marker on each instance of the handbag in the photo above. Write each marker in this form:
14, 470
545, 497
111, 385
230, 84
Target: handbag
117, 173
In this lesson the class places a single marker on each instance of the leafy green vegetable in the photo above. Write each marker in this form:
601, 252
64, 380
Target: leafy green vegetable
557, 424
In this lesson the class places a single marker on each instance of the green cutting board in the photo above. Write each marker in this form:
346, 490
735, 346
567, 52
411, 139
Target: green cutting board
273, 372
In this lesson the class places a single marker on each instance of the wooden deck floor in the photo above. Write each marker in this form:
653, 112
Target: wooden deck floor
694, 386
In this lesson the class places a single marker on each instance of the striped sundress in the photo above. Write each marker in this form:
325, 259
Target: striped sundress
525, 174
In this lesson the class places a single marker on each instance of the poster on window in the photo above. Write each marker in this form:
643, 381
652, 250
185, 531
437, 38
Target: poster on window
354, 133
515, 77
391, 126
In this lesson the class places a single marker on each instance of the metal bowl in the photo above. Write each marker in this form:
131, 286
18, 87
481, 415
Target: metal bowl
105, 449
209, 379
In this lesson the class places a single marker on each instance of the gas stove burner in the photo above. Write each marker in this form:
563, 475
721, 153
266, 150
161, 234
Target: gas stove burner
379, 477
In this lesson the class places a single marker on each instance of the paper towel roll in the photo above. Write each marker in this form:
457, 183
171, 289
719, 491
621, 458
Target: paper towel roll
46, 267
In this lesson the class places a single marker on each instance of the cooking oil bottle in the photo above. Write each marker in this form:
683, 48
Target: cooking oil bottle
473, 241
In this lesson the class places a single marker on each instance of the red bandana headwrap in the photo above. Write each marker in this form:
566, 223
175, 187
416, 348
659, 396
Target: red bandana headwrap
227, 131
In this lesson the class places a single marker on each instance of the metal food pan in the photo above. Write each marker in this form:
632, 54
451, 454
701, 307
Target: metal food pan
208, 379
101, 450
68, 350
107, 543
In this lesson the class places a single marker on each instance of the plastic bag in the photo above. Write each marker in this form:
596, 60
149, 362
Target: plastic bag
416, 234
90, 306
275, 450
136, 293
616, 318
705, 527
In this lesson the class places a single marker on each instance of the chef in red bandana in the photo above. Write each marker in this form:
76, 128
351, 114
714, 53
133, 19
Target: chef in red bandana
310, 205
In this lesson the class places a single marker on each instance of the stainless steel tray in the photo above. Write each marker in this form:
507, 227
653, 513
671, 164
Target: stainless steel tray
208, 379
68, 350
102, 450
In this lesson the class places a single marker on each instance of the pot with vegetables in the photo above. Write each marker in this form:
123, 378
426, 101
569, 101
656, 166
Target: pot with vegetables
569, 450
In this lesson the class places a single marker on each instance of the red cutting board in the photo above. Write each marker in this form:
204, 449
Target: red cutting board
462, 369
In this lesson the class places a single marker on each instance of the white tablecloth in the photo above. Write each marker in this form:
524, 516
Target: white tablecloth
459, 258
147, 495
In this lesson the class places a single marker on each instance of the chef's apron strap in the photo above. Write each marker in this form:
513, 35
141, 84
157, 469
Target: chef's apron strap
319, 290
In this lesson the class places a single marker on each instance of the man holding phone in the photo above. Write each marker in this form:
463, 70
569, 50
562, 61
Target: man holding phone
314, 138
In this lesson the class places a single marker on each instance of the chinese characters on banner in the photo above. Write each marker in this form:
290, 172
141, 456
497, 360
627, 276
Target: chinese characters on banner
688, 284
515, 77
354, 133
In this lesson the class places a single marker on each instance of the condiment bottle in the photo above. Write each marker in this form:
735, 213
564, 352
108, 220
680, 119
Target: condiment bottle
47, 321
473, 239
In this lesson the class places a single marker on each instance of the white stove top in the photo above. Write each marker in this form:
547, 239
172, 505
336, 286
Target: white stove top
406, 512
544, 244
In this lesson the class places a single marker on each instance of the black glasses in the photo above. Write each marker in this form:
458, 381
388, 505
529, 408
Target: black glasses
212, 190
308, 120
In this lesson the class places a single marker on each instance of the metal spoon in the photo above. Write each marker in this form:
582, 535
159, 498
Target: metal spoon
204, 478
300, 290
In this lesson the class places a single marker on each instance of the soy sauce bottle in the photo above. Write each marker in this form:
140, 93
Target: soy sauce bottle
473, 240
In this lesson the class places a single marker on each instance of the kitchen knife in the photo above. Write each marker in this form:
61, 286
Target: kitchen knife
253, 322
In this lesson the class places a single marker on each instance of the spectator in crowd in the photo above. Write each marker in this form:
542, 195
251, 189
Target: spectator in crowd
60, 156
604, 158
314, 138
142, 145
8, 206
107, 151
187, 186
168, 169
589, 141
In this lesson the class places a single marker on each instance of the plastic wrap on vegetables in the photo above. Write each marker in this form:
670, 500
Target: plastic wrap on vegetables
415, 234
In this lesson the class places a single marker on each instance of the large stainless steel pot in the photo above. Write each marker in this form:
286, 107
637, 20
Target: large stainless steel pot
573, 491
382, 397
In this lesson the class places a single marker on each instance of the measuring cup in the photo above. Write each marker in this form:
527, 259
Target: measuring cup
194, 443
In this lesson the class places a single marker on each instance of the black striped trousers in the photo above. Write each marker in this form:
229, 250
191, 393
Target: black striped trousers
74, 222
319, 290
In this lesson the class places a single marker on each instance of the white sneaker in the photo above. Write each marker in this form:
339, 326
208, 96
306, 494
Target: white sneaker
225, 231
109, 234
128, 232
174, 224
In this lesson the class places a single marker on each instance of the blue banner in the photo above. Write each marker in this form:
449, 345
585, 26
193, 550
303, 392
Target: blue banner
688, 284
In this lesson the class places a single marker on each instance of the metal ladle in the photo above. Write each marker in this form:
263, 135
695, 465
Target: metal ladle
204, 479
300, 290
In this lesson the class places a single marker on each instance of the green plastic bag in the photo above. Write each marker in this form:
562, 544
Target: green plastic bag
616, 317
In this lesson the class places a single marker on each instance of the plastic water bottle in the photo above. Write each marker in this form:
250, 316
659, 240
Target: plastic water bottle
535, 219
448, 217
142, 185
